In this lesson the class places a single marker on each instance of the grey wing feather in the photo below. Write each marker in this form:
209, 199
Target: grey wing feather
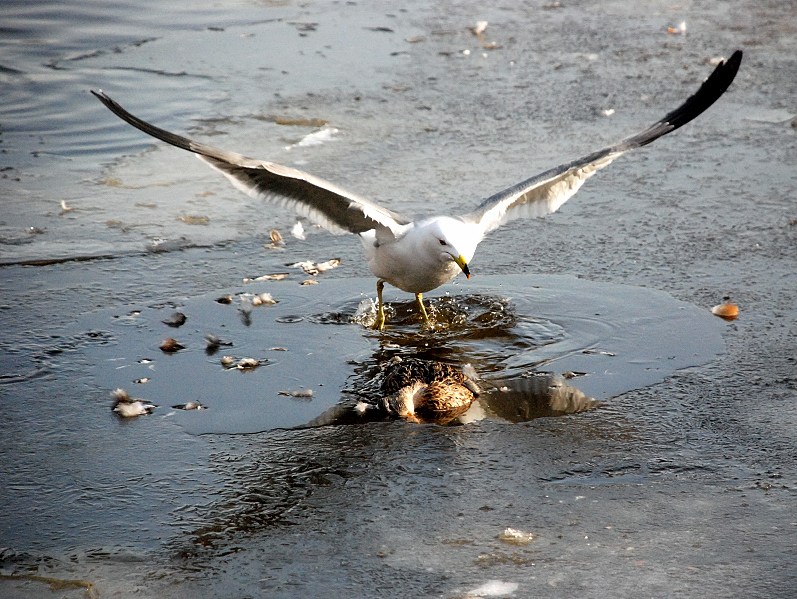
320, 201
546, 192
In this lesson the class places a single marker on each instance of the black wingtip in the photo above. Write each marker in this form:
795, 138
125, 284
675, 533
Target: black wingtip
150, 129
711, 91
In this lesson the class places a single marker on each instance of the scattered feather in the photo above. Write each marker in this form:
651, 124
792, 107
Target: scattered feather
263, 299
479, 28
298, 230
515, 537
314, 268
315, 139
298, 393
247, 364
190, 219
191, 405
277, 276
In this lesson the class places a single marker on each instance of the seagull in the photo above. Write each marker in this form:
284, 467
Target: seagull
418, 256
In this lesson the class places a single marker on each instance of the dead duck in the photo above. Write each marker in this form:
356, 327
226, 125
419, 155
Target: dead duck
426, 391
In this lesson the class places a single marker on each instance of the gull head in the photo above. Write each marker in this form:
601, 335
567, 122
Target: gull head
452, 239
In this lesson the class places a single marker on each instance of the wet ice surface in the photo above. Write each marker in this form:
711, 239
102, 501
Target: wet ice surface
682, 486
526, 336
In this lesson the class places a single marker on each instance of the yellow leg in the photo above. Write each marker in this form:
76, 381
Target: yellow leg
380, 307
424, 315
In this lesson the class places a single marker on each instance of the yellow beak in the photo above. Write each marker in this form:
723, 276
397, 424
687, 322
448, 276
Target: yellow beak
460, 260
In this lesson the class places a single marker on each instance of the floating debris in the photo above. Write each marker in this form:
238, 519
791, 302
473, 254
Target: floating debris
298, 394
142, 381
129, 407
65, 208
190, 219
177, 319
303, 26
679, 29
571, 374
287, 121
225, 299
277, 276
607, 111
597, 352
309, 282
277, 242
214, 342
479, 28
515, 537
314, 268
170, 345
263, 299
315, 139
247, 364
727, 311
191, 405
230, 362
278, 349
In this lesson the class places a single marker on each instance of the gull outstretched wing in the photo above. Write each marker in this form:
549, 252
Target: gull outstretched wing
312, 197
546, 192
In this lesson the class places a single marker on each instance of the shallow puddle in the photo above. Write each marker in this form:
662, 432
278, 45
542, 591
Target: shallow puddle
543, 345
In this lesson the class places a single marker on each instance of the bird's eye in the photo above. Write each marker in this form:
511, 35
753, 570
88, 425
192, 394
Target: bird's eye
442, 242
